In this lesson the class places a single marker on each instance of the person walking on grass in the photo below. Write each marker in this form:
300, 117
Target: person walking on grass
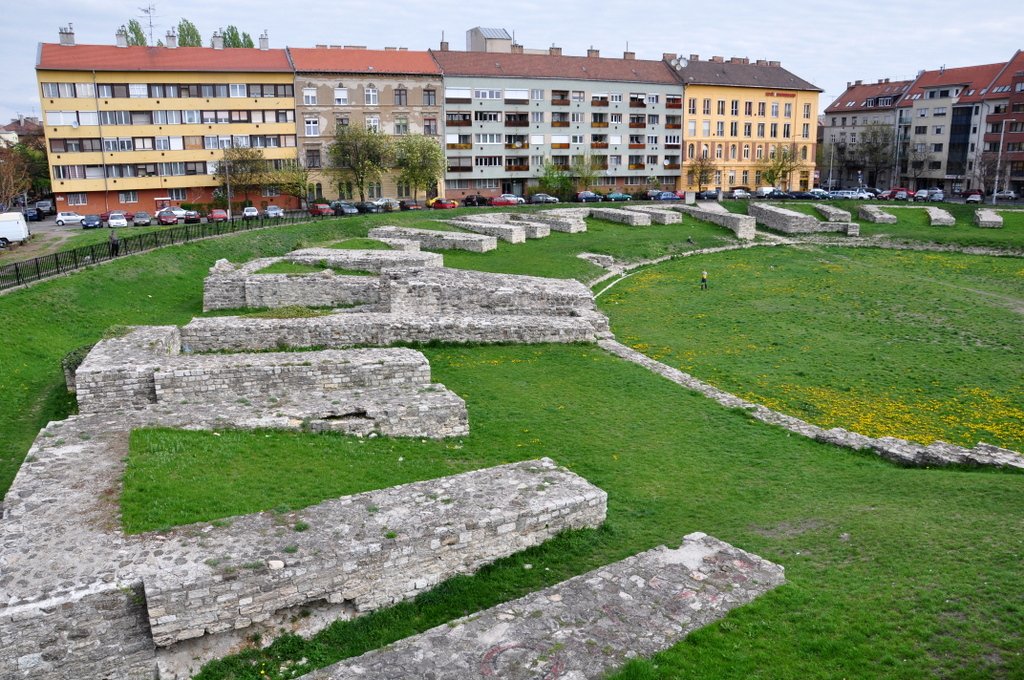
114, 243
704, 280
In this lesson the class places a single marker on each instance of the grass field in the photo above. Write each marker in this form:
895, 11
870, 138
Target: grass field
892, 573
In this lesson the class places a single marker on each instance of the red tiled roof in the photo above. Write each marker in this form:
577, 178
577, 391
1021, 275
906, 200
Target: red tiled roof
54, 57
972, 79
856, 96
497, 65
350, 60
1003, 79
743, 74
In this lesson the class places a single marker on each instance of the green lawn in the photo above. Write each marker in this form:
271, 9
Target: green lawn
922, 346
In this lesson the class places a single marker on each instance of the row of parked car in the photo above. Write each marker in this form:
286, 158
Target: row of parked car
164, 216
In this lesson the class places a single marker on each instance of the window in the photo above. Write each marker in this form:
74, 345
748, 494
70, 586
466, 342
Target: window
341, 96
128, 196
142, 143
578, 117
312, 127
734, 129
775, 109
805, 131
691, 105
653, 119
720, 128
190, 117
536, 116
748, 108
746, 157
577, 139
578, 95
934, 165
76, 199
940, 111
489, 138
734, 107
487, 161
138, 90
707, 107
652, 139
760, 129
807, 110
920, 129
691, 128
786, 130
705, 128
760, 109
615, 117
430, 97
537, 94
309, 96
373, 123
370, 97
937, 147
430, 126
922, 113
721, 107
401, 125
938, 129
615, 97
748, 129
177, 194
487, 94
652, 98
341, 121
115, 118
787, 110
493, 116
401, 96
672, 139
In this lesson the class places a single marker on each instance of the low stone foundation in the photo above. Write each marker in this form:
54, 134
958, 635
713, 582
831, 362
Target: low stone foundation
939, 217
631, 217
439, 240
743, 226
585, 627
658, 215
792, 222
566, 220
875, 215
510, 233
986, 218
832, 214
364, 260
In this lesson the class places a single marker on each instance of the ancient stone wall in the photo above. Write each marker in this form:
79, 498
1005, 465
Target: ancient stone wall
987, 218
439, 240
938, 217
875, 215
741, 225
792, 222
631, 217
832, 213
657, 215
510, 233
566, 220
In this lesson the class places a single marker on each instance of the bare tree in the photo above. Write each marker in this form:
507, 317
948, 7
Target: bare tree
584, 171
243, 170
15, 177
779, 164
703, 169
918, 159
291, 179
874, 149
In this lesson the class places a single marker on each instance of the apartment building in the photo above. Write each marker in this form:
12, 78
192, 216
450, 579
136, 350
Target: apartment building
1000, 165
739, 112
507, 114
859, 135
395, 91
136, 128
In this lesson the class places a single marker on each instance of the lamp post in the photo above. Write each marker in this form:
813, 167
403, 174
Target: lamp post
999, 156
831, 157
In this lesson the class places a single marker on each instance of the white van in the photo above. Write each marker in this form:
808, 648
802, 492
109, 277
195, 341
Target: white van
763, 191
13, 228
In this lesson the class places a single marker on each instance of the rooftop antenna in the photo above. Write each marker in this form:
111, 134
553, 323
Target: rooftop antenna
150, 12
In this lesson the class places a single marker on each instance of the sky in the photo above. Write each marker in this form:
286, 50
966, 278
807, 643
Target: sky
827, 46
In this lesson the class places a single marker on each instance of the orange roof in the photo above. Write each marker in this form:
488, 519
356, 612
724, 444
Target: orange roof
356, 60
1000, 86
498, 65
54, 57
856, 96
973, 80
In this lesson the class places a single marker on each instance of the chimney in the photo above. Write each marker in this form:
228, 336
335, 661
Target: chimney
762, 62
775, 63
444, 46
555, 51
390, 49
718, 60
67, 35
321, 47
264, 41
517, 49
886, 80
629, 55
694, 57
848, 84
218, 41
858, 82
593, 53
171, 41
668, 56
122, 37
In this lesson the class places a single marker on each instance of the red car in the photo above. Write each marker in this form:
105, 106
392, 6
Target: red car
444, 204
503, 200
166, 217
217, 215
321, 209
105, 216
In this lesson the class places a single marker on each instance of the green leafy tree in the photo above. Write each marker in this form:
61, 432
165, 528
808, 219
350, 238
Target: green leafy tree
359, 155
584, 172
34, 158
291, 179
703, 169
15, 177
243, 171
136, 36
188, 34
779, 164
234, 38
420, 162
555, 181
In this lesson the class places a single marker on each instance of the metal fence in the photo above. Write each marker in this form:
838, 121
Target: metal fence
21, 273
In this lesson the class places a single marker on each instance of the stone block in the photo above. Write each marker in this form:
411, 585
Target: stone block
986, 218
743, 226
630, 217
875, 215
832, 213
939, 218
439, 240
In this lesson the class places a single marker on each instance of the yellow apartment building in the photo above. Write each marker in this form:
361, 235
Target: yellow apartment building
137, 128
737, 113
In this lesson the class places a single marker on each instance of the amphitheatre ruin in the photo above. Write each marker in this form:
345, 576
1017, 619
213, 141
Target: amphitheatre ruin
83, 598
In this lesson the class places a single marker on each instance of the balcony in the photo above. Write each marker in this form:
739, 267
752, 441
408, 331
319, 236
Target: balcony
517, 168
637, 166
673, 126
637, 146
637, 104
460, 168
599, 145
560, 146
463, 122
598, 124
517, 101
517, 123
638, 125
559, 102
673, 105
671, 166
563, 167
458, 100
599, 102
559, 123
518, 145
458, 146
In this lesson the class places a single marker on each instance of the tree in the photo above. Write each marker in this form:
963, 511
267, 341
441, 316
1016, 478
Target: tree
359, 155
136, 36
15, 178
703, 169
555, 181
34, 158
779, 164
984, 172
291, 179
420, 162
188, 34
918, 159
584, 172
874, 150
233, 38
243, 170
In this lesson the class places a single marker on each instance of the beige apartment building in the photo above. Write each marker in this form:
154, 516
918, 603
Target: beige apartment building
395, 91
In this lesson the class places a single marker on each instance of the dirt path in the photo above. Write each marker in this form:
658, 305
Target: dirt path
41, 243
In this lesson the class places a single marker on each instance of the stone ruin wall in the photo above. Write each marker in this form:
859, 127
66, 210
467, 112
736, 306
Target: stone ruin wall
792, 222
742, 226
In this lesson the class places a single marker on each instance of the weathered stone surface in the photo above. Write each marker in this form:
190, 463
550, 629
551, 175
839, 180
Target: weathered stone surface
792, 222
630, 217
874, 214
568, 220
657, 215
987, 218
742, 225
897, 450
439, 240
510, 233
584, 627
939, 217
832, 213
366, 260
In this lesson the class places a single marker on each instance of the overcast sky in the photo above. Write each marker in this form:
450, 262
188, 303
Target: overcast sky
827, 46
